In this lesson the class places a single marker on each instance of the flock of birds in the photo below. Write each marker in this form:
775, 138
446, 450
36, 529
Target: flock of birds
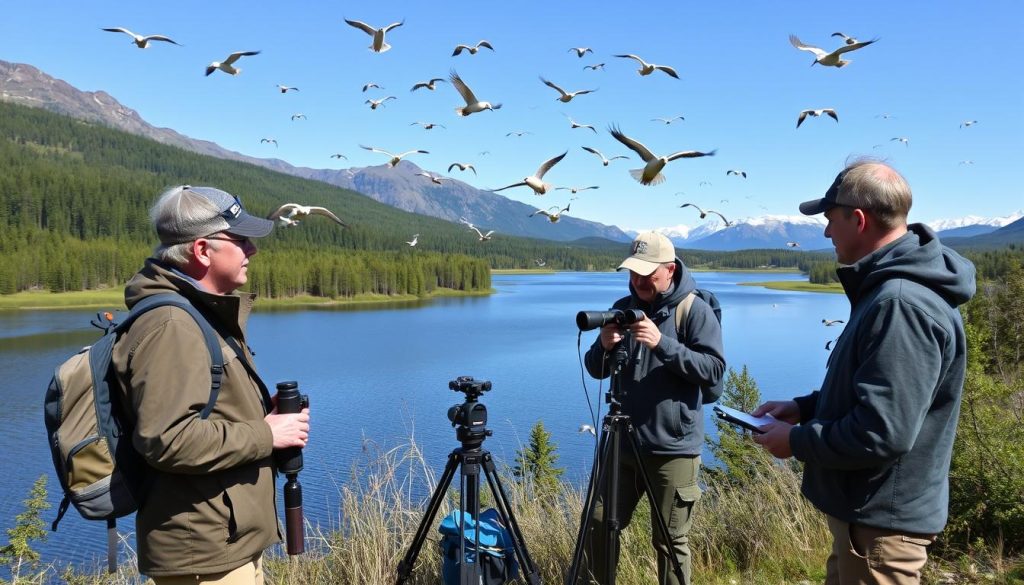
651, 173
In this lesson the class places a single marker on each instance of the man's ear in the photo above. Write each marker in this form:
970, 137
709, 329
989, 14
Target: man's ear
863, 220
201, 249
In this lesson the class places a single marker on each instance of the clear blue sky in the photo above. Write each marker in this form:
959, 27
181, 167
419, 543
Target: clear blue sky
937, 64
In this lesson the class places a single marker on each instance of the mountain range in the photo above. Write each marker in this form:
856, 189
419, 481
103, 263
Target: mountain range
454, 200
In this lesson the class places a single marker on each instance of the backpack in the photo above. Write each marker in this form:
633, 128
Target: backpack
101, 473
497, 556
708, 395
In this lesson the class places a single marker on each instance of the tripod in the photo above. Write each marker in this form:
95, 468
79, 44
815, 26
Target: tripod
470, 419
605, 474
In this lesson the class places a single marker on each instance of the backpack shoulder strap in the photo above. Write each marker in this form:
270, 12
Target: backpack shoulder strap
683, 311
209, 337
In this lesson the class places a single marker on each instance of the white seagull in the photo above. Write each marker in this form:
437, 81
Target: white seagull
461, 167
815, 113
831, 322
371, 85
736, 172
565, 96
289, 214
374, 104
648, 68
472, 48
573, 124
517, 133
540, 263
651, 173
378, 45
553, 216
825, 58
846, 38
594, 67
395, 158
704, 214
483, 237
226, 64
604, 161
339, 156
429, 84
966, 162
668, 120
415, 240
286, 89
427, 125
575, 190
580, 51
298, 117
268, 140
473, 105
793, 244
141, 41
536, 181
968, 123
587, 429
433, 179
903, 139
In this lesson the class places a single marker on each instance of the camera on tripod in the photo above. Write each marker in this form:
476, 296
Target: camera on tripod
587, 320
471, 416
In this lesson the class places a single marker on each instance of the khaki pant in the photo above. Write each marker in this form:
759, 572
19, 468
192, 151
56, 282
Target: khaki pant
864, 555
247, 574
674, 483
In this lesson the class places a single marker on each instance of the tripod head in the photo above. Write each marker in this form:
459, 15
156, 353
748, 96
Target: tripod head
470, 417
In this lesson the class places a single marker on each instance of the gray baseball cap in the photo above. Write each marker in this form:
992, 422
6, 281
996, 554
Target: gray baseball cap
231, 217
831, 199
649, 251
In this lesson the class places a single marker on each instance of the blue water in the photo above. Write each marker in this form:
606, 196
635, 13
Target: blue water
378, 378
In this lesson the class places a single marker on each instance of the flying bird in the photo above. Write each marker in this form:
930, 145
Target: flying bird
825, 58
573, 124
289, 214
427, 125
483, 237
540, 263
536, 181
378, 45
266, 140
471, 48
968, 123
736, 172
286, 89
885, 116
580, 51
793, 244
141, 41
565, 96
395, 158
461, 167
473, 105
553, 216
339, 155
517, 133
668, 120
433, 179
903, 139
704, 184
703, 213
651, 173
298, 117
604, 161
828, 344
726, 221
648, 68
374, 104
227, 64
594, 67
429, 84
587, 429
966, 162
575, 190
371, 85
831, 322
815, 113
846, 39
415, 240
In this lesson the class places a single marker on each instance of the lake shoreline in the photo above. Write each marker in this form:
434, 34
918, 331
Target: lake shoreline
798, 286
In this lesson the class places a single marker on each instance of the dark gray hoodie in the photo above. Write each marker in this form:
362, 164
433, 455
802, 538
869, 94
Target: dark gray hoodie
663, 385
878, 437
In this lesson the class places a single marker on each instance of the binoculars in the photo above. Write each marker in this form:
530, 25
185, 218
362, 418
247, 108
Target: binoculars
587, 320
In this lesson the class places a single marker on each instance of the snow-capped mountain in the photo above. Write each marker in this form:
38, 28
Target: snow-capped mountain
767, 231
972, 225
680, 234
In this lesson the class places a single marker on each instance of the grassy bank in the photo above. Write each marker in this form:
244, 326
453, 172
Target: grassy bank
798, 285
113, 298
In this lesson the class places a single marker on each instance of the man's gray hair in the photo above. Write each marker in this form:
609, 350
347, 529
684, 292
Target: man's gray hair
874, 186
179, 206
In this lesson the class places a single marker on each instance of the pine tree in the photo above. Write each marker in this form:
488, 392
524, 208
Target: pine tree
28, 526
738, 454
535, 463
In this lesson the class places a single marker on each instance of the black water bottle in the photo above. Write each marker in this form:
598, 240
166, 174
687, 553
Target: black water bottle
289, 462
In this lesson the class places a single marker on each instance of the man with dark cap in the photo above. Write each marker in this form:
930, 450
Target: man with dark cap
670, 374
210, 509
877, 439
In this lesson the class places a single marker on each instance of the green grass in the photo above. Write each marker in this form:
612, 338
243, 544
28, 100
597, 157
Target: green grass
798, 285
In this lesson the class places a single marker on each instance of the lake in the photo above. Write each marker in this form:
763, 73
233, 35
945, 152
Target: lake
379, 377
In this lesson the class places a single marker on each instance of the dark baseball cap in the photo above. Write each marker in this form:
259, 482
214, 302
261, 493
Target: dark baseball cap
831, 199
231, 217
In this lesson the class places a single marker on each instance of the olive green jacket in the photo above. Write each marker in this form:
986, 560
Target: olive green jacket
211, 507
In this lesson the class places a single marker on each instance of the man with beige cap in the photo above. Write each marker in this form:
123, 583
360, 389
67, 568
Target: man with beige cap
670, 374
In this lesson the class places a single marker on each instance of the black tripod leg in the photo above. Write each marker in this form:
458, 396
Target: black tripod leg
597, 477
662, 527
611, 507
469, 492
530, 571
405, 567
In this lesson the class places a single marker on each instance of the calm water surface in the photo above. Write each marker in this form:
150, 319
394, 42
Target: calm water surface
378, 378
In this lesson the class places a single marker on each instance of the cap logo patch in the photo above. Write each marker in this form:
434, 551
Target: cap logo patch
234, 210
639, 247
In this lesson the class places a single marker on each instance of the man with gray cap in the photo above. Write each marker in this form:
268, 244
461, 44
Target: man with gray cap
877, 439
670, 374
209, 511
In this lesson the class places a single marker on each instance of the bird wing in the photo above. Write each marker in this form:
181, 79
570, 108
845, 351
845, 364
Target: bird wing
519, 184
583, 91
590, 187
553, 86
631, 56
393, 25
121, 30
853, 47
593, 151
463, 89
390, 97
238, 55
802, 117
690, 154
633, 145
362, 26
453, 165
839, 34
162, 38
693, 205
408, 152
719, 215
831, 113
484, 44
459, 48
339, 156
667, 69
488, 234
617, 156
327, 213
548, 164
475, 229
284, 209
796, 42
376, 150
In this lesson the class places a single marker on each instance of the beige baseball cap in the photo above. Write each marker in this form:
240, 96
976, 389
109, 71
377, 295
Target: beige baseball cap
648, 251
